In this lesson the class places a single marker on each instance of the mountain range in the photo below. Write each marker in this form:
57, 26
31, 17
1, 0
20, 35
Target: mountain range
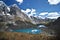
11, 17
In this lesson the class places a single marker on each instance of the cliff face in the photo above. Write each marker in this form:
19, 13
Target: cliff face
56, 27
12, 18
15, 10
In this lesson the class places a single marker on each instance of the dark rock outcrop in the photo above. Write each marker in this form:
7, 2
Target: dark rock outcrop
56, 27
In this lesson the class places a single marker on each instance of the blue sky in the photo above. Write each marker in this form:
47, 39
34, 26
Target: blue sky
40, 6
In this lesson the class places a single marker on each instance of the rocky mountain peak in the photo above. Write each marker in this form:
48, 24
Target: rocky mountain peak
16, 11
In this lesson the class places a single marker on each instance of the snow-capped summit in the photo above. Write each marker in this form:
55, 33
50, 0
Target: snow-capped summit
4, 7
2, 3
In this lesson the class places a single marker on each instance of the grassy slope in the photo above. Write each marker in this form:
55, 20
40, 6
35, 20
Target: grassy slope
24, 36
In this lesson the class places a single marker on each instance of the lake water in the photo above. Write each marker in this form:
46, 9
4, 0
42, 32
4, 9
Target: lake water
31, 30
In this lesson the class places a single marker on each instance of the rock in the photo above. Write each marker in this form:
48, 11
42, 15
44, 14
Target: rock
56, 27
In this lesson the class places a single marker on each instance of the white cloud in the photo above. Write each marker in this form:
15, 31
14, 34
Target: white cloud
29, 12
35, 16
54, 2
53, 15
26, 11
43, 13
43, 17
33, 11
19, 1
23, 11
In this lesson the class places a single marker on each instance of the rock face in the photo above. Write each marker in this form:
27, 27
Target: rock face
35, 20
3, 10
56, 26
15, 10
12, 18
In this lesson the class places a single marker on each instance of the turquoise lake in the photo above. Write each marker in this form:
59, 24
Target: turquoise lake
31, 31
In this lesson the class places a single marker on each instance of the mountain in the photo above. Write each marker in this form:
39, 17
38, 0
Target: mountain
4, 11
15, 10
35, 20
13, 13
11, 18
56, 27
